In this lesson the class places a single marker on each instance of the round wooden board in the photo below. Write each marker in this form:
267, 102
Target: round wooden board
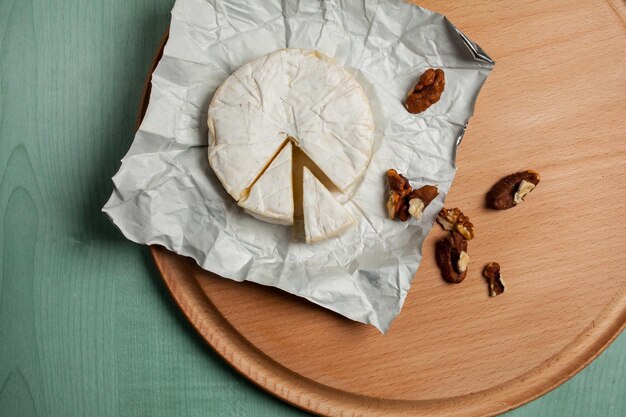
555, 102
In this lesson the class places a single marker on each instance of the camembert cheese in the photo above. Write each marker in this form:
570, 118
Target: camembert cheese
291, 95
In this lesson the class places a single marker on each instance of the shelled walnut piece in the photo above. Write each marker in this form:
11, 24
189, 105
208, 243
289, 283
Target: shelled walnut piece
426, 92
451, 251
494, 279
403, 201
512, 189
420, 198
454, 219
452, 258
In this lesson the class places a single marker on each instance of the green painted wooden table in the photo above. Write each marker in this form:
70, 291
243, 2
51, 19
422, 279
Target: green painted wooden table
86, 325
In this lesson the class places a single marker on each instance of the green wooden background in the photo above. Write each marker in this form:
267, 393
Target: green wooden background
86, 326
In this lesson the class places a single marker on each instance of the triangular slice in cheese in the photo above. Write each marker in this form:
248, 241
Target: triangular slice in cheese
271, 197
324, 216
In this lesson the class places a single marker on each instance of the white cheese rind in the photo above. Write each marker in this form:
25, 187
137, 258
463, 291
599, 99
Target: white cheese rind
324, 216
291, 92
271, 197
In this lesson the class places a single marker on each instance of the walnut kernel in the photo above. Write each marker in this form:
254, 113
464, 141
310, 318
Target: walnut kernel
454, 219
494, 279
447, 218
451, 256
426, 92
426, 193
420, 198
403, 201
512, 189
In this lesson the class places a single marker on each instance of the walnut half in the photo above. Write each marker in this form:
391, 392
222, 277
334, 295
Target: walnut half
512, 190
426, 92
403, 201
452, 258
494, 279
454, 219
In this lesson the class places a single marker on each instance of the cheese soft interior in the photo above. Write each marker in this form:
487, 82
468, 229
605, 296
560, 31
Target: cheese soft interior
324, 216
295, 95
271, 197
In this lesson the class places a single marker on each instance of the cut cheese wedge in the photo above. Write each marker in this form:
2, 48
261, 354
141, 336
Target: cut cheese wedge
324, 216
271, 198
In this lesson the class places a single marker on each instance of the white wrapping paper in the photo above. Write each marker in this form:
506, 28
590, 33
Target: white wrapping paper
166, 193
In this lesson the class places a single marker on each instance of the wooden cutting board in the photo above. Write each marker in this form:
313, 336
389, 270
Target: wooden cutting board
556, 102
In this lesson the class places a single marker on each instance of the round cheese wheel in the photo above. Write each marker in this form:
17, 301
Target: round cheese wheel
293, 95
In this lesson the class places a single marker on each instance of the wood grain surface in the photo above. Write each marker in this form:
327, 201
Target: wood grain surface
87, 327
453, 351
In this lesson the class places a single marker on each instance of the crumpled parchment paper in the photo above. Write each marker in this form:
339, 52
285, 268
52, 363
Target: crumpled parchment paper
166, 193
